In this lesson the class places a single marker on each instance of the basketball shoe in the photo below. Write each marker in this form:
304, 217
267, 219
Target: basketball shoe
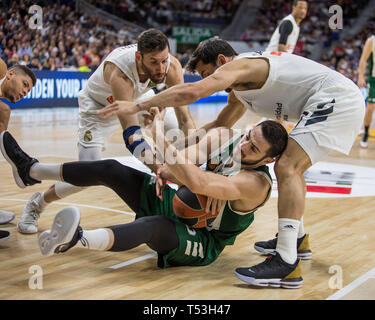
303, 247
273, 272
30, 215
64, 234
364, 141
18, 159
4, 235
6, 217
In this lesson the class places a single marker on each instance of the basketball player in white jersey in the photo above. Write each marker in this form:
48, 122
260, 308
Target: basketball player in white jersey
127, 73
328, 109
285, 36
15, 84
367, 52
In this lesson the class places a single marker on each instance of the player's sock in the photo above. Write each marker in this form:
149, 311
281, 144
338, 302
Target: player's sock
365, 135
301, 229
287, 239
40, 171
94, 239
42, 202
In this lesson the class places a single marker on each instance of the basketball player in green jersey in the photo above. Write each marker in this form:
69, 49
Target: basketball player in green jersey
368, 52
15, 84
156, 224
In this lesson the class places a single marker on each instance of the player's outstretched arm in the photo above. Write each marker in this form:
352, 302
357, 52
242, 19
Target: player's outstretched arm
4, 116
184, 94
3, 68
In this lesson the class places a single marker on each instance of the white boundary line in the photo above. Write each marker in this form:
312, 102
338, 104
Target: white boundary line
126, 263
77, 205
350, 287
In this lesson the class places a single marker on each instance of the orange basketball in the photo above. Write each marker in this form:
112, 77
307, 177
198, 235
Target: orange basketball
190, 208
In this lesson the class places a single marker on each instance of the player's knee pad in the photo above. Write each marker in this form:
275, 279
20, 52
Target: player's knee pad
63, 189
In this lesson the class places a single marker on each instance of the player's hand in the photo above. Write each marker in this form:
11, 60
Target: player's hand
160, 185
118, 107
161, 179
361, 82
148, 118
213, 205
157, 124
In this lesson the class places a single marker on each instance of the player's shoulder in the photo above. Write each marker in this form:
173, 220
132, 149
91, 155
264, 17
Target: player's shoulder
3, 69
174, 63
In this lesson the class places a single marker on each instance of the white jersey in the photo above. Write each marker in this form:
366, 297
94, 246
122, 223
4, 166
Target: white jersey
100, 91
299, 89
292, 38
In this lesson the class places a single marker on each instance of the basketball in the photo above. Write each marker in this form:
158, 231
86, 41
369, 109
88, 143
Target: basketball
190, 208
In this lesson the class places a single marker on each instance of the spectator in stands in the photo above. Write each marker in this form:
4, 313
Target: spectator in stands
82, 66
35, 64
25, 60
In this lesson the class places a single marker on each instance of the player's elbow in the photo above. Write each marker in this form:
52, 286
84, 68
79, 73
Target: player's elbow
196, 185
190, 93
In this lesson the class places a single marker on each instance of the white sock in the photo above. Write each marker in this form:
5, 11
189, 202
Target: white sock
287, 239
94, 239
301, 230
39, 171
42, 202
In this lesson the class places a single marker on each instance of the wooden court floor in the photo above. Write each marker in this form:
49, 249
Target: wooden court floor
341, 233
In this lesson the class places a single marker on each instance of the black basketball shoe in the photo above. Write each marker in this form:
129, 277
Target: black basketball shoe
303, 247
273, 272
4, 235
64, 234
18, 159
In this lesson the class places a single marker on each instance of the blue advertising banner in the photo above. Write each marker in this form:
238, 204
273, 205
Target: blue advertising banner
54, 89
60, 89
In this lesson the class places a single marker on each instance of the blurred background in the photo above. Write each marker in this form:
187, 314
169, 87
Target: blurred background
75, 36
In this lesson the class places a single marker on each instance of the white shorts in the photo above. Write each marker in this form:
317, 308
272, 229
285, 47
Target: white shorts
333, 117
94, 130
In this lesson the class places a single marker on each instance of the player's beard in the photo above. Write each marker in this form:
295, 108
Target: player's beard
246, 164
149, 74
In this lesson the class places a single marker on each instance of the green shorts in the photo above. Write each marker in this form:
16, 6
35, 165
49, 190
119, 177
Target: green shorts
371, 90
197, 247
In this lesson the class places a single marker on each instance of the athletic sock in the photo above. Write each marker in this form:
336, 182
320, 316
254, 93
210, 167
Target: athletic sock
301, 229
42, 202
365, 135
94, 239
287, 239
39, 171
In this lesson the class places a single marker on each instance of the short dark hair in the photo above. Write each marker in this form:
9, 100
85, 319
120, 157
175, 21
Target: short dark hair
207, 52
152, 40
295, 2
276, 135
19, 68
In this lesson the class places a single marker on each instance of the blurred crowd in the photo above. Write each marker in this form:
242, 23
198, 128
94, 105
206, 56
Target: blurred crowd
73, 40
341, 55
164, 14
68, 39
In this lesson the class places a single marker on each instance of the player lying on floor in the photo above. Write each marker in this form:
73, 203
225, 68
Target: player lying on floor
156, 224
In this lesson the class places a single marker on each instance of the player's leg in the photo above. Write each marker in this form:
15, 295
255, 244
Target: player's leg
125, 181
370, 107
90, 144
157, 232
283, 268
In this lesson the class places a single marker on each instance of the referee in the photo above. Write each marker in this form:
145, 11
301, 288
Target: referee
285, 37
